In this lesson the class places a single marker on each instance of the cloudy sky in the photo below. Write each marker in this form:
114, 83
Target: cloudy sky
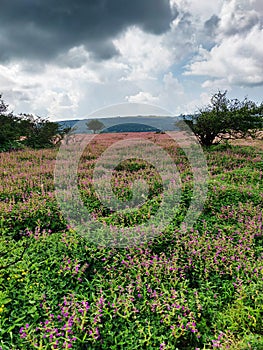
64, 59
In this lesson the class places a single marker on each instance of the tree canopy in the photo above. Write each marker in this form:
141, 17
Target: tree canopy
35, 131
95, 125
225, 119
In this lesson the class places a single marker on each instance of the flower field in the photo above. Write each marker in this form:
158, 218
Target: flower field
199, 289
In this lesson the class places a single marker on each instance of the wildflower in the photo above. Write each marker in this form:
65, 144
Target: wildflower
162, 346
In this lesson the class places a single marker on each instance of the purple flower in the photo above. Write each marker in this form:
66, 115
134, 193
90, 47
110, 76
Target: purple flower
162, 346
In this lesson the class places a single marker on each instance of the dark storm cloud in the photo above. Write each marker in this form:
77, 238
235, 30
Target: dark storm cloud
43, 29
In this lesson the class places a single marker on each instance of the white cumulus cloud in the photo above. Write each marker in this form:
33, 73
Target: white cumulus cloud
237, 56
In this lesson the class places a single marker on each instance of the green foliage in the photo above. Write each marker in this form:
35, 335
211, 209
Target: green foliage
226, 119
27, 130
95, 125
39, 132
200, 289
9, 130
11, 146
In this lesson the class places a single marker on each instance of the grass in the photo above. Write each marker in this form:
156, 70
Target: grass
200, 289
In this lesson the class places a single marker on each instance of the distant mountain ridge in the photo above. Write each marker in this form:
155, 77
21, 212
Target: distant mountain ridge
126, 124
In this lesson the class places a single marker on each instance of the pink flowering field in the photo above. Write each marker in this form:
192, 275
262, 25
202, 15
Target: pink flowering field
195, 289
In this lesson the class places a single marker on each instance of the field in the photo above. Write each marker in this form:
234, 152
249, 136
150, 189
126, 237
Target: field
195, 289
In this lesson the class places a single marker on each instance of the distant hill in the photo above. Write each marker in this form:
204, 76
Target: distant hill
130, 127
68, 123
126, 124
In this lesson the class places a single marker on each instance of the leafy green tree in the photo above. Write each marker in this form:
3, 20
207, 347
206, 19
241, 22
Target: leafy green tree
40, 132
36, 132
95, 125
225, 119
9, 128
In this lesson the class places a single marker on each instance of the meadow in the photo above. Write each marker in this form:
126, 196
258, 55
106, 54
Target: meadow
199, 289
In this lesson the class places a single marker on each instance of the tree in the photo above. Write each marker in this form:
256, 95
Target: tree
9, 130
36, 131
3, 106
225, 119
40, 132
95, 125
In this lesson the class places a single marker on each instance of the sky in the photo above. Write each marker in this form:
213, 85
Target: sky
66, 59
